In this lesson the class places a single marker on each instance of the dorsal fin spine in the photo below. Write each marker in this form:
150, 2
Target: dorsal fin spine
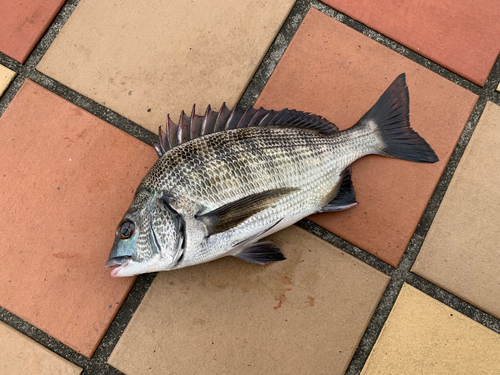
192, 122
205, 120
171, 132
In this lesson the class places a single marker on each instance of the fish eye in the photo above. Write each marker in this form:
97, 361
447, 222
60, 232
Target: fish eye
127, 229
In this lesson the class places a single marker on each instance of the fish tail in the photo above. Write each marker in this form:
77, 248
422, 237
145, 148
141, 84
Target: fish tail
389, 119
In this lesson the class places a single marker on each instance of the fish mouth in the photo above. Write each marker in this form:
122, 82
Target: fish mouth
121, 262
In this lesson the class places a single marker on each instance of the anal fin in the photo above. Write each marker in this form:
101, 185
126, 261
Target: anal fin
261, 253
346, 196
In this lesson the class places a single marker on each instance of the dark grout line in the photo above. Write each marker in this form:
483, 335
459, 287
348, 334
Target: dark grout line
98, 363
93, 107
43, 338
456, 303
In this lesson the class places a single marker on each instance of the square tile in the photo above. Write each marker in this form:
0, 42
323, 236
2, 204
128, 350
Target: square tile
67, 178
163, 57
461, 35
334, 71
461, 252
304, 315
20, 355
22, 24
424, 336
6, 77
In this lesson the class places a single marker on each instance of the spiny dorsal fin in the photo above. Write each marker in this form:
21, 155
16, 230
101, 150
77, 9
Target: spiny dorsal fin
194, 126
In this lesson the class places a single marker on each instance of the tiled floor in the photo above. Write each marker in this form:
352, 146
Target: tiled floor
348, 302
347, 74
6, 77
22, 24
461, 35
423, 336
21, 355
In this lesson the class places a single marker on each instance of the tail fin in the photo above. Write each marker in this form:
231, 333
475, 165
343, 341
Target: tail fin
390, 115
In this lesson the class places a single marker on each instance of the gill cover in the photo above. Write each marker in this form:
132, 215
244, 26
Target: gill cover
168, 230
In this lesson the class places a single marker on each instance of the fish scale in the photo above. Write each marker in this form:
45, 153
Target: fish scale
225, 180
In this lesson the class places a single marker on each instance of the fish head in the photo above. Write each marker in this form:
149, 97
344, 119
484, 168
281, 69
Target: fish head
149, 238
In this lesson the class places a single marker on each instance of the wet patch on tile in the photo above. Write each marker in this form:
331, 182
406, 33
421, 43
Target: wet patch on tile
6, 77
20, 355
460, 35
424, 336
166, 56
460, 252
332, 70
22, 24
303, 315
67, 179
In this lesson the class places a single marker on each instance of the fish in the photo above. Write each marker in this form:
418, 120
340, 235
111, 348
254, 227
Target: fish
226, 180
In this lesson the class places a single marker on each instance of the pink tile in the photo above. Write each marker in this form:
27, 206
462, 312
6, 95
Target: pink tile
67, 178
461, 35
22, 24
334, 71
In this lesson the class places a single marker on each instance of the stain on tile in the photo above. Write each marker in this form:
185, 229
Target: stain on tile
165, 56
461, 252
22, 24
304, 315
424, 336
6, 77
20, 355
67, 178
461, 35
334, 71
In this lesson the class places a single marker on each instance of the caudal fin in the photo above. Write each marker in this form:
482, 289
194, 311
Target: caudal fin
390, 115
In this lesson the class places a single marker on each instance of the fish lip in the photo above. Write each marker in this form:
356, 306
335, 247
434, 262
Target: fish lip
122, 261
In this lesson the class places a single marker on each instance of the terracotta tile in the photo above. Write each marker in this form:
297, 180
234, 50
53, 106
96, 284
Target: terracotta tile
461, 252
20, 355
339, 73
424, 336
67, 178
304, 315
461, 35
6, 77
22, 24
165, 56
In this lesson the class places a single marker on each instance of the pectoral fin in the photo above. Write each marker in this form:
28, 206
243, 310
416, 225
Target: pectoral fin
261, 253
232, 214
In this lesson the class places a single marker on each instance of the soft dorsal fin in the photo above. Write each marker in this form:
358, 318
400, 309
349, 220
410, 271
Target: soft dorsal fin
194, 126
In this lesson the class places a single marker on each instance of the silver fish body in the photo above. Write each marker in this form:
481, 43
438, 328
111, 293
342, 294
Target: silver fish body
218, 194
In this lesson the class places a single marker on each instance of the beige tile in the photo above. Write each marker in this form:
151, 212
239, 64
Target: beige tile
461, 252
304, 315
498, 88
145, 62
6, 77
424, 336
20, 355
